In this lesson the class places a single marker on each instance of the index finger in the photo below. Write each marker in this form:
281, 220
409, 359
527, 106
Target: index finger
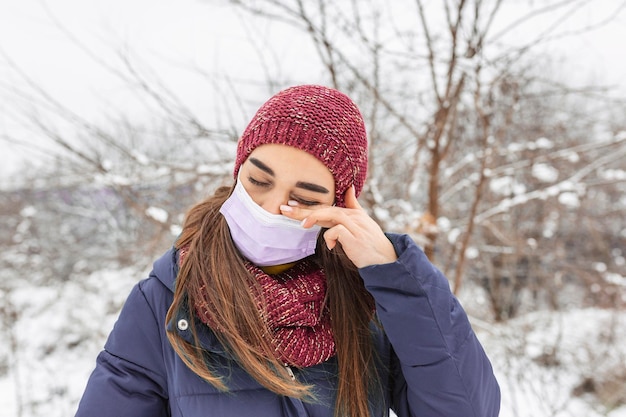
328, 217
350, 198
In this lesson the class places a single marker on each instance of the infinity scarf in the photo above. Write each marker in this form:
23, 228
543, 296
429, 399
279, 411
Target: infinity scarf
301, 333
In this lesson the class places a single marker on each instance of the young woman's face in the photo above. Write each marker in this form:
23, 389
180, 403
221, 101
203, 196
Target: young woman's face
275, 174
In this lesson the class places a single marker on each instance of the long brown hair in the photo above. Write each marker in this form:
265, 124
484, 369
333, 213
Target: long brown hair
214, 265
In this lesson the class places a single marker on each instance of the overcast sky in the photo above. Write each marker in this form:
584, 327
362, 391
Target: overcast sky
171, 36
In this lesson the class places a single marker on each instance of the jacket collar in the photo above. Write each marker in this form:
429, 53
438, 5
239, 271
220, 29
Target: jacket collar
165, 269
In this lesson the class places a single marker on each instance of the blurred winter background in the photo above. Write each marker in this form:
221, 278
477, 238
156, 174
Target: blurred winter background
498, 141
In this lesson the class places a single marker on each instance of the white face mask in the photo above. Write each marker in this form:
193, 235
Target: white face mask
262, 237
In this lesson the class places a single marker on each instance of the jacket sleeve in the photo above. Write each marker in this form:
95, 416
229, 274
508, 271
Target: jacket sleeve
129, 378
439, 367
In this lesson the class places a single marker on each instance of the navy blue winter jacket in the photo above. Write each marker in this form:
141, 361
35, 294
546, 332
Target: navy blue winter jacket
434, 365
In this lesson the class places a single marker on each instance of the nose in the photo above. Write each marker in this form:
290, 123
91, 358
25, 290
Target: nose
272, 202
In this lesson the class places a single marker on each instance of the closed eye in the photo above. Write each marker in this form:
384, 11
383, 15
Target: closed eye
306, 202
258, 183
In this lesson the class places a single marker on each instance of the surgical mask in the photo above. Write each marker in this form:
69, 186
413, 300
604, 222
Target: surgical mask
262, 237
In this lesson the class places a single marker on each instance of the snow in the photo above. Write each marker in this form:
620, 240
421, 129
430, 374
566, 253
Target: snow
613, 174
112, 179
472, 252
506, 186
540, 359
614, 278
454, 234
158, 214
569, 199
545, 172
176, 229
213, 169
28, 211
443, 223
141, 158
544, 143
58, 331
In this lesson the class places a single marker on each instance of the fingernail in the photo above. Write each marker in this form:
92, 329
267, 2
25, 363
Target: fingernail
302, 222
285, 208
292, 203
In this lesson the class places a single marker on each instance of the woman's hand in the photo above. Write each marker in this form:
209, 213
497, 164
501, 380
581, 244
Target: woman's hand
362, 239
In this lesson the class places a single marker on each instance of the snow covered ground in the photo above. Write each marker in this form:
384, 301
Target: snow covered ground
551, 364
541, 359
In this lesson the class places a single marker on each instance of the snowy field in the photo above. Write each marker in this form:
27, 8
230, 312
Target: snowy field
547, 364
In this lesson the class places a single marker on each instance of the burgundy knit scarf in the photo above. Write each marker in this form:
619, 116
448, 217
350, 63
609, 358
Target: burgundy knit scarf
295, 312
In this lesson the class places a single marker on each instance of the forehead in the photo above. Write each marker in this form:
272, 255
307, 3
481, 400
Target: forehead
284, 156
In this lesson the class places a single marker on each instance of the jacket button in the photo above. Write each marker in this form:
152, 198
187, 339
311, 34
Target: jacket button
183, 324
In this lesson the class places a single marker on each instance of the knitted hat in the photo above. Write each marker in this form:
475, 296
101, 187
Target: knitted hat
319, 120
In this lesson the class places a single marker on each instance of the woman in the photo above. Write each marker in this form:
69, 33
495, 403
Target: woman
282, 297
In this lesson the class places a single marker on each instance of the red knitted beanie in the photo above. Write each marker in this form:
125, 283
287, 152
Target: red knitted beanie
319, 120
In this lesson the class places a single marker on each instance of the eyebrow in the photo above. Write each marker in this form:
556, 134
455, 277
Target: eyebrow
262, 166
312, 187
300, 184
